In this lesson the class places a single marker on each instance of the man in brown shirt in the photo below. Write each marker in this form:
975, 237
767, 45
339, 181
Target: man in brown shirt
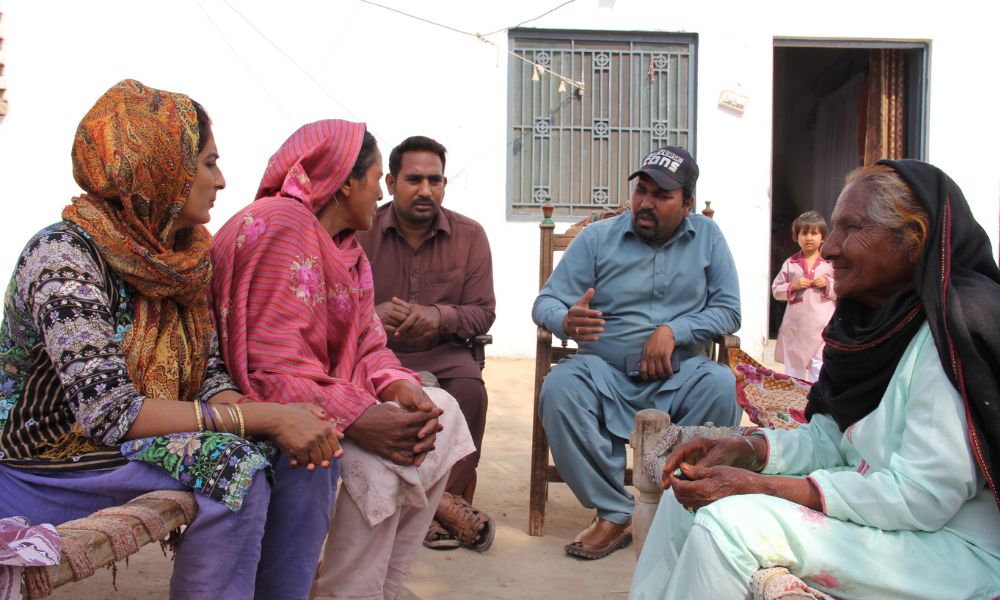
433, 292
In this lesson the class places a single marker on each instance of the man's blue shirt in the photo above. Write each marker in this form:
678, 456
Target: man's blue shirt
688, 283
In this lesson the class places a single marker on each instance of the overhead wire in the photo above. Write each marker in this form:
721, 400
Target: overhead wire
546, 13
239, 57
482, 38
430, 22
295, 63
336, 42
579, 85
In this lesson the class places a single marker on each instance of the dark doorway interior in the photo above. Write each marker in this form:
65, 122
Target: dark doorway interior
820, 120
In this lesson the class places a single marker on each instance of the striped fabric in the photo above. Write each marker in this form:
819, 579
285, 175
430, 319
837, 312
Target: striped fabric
293, 306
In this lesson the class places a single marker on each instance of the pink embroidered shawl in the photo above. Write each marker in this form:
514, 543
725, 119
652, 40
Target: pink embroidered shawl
294, 308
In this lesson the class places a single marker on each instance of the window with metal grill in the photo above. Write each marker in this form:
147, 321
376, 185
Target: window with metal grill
585, 107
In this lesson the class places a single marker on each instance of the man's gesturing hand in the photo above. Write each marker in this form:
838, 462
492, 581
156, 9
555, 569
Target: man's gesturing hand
583, 323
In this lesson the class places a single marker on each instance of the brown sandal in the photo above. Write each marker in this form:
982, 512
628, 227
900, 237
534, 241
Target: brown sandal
439, 538
614, 539
471, 527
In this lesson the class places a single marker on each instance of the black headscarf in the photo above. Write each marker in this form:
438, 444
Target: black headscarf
957, 289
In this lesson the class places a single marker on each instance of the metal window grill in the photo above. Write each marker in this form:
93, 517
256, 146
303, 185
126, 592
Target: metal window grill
575, 150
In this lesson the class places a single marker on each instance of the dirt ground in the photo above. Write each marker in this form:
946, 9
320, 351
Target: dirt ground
517, 567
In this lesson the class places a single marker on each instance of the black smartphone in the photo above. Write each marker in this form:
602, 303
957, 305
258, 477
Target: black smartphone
633, 362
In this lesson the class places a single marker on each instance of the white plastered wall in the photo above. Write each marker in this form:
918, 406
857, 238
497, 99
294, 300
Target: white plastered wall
263, 68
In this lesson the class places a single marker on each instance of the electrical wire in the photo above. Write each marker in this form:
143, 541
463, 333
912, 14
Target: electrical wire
288, 57
548, 12
430, 22
239, 57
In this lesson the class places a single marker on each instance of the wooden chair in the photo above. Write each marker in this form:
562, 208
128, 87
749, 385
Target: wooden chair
547, 354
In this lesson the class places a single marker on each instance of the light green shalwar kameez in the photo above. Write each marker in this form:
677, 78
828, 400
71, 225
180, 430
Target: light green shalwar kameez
907, 512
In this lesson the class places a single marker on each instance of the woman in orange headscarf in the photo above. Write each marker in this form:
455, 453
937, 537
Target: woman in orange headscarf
110, 380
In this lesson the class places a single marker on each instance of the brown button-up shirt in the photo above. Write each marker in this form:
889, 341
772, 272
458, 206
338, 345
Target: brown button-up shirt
452, 269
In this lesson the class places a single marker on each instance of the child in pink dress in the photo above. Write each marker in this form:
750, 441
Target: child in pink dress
806, 283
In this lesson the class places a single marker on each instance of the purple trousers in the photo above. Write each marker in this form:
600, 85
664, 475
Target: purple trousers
223, 554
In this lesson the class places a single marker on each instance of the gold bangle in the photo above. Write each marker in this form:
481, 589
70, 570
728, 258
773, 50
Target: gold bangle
232, 417
199, 417
239, 413
221, 425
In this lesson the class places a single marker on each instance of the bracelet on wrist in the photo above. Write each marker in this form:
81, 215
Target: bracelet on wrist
759, 461
753, 453
198, 417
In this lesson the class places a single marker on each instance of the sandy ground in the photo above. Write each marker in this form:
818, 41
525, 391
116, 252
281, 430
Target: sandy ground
517, 567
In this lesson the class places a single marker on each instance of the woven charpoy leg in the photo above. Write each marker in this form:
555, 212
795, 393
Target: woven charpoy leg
75, 553
161, 514
185, 500
38, 582
119, 533
675, 435
151, 519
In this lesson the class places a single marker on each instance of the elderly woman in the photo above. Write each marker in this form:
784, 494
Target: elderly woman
294, 298
890, 490
111, 384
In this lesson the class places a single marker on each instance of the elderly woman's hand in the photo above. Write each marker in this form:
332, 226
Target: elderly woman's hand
705, 485
713, 468
704, 452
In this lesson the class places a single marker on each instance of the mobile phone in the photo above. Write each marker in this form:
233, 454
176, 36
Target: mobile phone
633, 362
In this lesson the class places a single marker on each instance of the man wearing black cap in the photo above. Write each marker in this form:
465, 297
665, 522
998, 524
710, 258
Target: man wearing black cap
641, 294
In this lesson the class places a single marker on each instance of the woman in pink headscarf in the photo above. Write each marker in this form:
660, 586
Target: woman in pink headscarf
293, 298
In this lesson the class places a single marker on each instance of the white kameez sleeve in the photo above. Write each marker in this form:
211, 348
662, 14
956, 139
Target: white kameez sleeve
928, 472
800, 451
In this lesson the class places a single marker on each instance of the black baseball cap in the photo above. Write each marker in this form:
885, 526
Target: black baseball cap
671, 167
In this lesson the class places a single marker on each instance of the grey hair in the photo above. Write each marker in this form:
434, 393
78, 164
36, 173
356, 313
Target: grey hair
893, 205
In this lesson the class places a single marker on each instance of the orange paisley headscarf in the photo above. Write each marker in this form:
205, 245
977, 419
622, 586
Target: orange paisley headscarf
135, 156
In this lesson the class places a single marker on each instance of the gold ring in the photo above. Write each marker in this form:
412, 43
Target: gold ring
689, 509
577, 330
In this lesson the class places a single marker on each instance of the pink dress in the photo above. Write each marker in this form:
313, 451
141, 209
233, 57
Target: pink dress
297, 323
800, 339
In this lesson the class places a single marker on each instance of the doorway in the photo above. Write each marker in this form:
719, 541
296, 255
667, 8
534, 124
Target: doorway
837, 106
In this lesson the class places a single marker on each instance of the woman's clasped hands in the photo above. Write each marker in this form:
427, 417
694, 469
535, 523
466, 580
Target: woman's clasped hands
302, 431
308, 436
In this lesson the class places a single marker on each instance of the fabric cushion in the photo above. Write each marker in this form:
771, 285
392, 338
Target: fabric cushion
772, 400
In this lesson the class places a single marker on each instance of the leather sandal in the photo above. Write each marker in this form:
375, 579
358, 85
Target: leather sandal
439, 538
612, 539
471, 527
